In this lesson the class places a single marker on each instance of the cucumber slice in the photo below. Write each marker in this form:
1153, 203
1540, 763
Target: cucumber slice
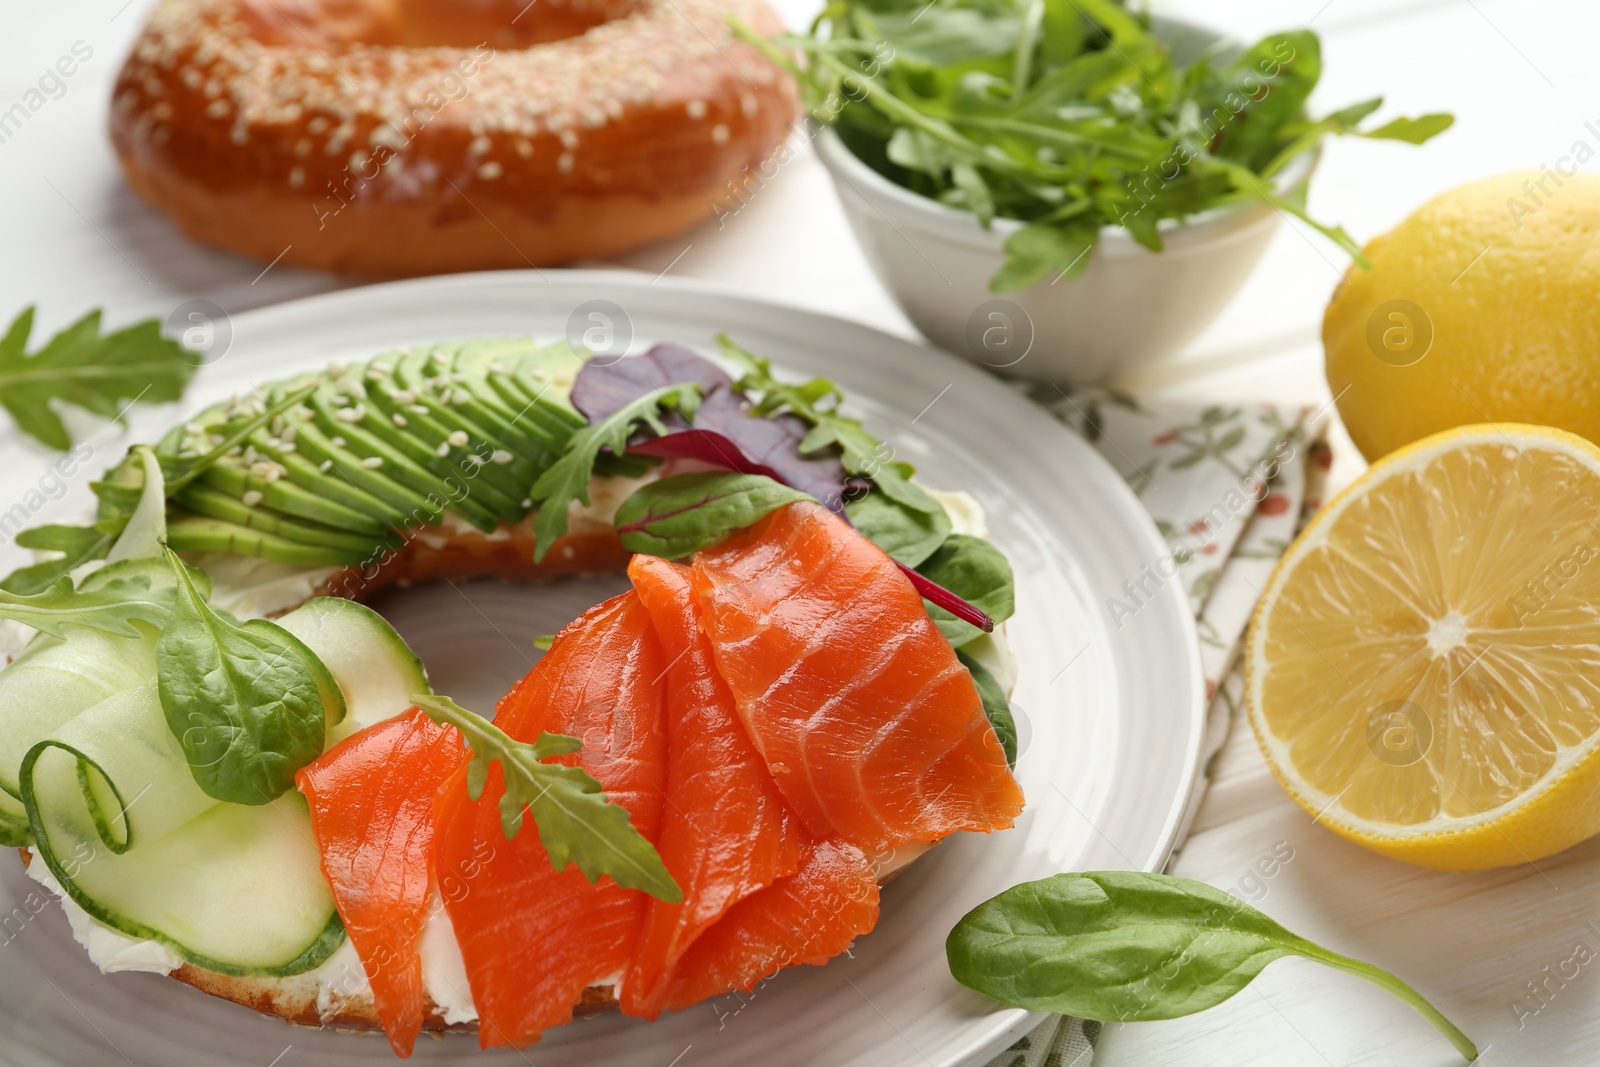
49, 685
117, 816
119, 821
375, 668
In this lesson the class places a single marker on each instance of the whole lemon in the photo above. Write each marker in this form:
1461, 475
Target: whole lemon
1482, 306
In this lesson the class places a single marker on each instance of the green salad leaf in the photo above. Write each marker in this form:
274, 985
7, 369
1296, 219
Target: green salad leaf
111, 607
1069, 115
567, 479
817, 402
995, 705
80, 366
575, 820
978, 573
249, 703
1124, 946
678, 516
907, 534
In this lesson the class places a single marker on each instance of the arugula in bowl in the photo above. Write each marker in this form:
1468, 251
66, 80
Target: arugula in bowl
1070, 115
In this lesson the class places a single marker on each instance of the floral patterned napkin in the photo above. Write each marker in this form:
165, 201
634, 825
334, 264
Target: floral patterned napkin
1228, 487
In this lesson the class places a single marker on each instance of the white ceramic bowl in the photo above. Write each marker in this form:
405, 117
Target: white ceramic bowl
1129, 308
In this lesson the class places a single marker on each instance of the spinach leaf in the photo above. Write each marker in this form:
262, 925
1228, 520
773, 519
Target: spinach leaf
996, 705
1124, 946
567, 479
248, 703
909, 536
978, 573
575, 820
678, 516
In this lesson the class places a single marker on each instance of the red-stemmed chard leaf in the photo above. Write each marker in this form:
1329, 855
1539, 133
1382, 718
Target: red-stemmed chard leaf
935, 593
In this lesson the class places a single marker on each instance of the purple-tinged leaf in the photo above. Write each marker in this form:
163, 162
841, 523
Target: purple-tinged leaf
773, 442
605, 387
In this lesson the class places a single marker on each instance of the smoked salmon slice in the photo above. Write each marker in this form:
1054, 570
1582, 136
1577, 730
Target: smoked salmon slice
869, 724
372, 810
809, 917
726, 831
534, 939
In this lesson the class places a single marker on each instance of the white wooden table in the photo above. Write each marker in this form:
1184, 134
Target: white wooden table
1522, 79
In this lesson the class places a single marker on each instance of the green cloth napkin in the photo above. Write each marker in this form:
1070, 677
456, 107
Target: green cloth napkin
1228, 486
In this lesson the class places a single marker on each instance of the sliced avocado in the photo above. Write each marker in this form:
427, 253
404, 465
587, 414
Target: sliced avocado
305, 470
229, 475
433, 423
188, 532
205, 500
409, 508
471, 368
373, 454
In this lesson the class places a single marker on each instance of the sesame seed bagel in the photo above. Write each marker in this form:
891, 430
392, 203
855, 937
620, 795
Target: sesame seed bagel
396, 137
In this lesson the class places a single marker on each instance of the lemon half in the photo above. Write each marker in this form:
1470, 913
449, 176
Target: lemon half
1423, 669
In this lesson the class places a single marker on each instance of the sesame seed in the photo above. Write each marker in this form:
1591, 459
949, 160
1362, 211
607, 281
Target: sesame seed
404, 396
443, 450
719, 134
458, 439
327, 465
399, 419
297, 177
251, 498
339, 442
489, 171
354, 414
569, 139
372, 462
502, 457
565, 163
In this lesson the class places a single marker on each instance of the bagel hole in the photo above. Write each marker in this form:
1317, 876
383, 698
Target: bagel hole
476, 636
501, 24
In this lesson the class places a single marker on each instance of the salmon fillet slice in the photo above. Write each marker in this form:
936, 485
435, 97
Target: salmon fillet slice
372, 809
726, 831
872, 728
533, 938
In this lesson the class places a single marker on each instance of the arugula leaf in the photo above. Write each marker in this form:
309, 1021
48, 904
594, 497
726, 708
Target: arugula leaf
101, 373
575, 820
1124, 946
77, 544
1068, 115
817, 402
996, 705
907, 535
978, 573
678, 516
112, 608
248, 703
567, 479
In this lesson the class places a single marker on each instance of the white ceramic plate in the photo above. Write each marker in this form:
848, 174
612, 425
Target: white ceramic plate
1113, 716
